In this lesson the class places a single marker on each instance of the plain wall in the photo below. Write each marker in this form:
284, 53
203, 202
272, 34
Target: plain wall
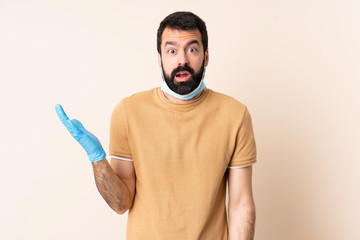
295, 64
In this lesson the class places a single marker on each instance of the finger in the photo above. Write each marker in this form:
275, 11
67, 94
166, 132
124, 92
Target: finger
81, 131
78, 124
71, 127
61, 114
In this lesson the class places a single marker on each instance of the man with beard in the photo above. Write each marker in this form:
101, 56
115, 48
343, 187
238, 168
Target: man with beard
173, 149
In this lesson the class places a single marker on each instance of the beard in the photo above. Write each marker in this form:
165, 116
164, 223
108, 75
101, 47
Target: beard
187, 87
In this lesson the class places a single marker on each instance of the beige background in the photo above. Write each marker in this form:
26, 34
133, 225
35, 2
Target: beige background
295, 64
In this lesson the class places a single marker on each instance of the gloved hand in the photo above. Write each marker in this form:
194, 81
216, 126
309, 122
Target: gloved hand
86, 139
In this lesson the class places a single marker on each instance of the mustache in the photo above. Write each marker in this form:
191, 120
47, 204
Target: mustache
180, 69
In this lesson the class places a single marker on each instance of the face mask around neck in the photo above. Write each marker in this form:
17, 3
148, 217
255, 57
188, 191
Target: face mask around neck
165, 88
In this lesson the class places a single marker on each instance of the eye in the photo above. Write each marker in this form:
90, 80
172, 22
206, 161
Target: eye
192, 50
171, 51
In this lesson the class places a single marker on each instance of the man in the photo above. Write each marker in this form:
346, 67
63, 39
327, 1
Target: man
173, 148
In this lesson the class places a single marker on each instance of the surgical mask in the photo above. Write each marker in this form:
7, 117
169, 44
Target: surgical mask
188, 96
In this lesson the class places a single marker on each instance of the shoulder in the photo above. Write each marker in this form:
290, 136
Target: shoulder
226, 102
137, 99
230, 110
139, 96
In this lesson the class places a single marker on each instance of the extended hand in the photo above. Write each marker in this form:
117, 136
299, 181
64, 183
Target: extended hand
86, 139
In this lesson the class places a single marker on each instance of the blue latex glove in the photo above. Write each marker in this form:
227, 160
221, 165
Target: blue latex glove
86, 139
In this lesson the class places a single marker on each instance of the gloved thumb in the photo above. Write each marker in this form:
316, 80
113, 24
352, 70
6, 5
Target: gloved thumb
78, 124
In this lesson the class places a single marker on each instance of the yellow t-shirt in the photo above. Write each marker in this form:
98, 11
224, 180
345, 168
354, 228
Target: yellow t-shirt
181, 153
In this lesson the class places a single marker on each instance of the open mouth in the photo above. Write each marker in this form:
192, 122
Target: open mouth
182, 76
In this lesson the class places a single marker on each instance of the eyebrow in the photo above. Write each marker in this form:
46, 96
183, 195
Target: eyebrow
169, 43
189, 43
194, 42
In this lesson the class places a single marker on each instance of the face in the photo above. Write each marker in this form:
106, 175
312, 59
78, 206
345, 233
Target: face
182, 59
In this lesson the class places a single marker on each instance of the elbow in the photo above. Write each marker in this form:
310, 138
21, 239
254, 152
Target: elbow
121, 205
122, 210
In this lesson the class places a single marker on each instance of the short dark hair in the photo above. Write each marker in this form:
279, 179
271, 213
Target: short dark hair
183, 21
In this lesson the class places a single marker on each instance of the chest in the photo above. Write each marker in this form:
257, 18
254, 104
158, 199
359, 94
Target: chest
178, 140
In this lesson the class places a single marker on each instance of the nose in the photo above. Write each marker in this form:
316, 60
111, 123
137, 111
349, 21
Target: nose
182, 58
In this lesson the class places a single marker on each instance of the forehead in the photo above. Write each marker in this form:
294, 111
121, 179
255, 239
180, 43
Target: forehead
180, 36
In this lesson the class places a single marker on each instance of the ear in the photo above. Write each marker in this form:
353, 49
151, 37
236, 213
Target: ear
207, 57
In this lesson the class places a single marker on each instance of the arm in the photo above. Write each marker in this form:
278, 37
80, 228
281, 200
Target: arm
116, 186
116, 183
241, 208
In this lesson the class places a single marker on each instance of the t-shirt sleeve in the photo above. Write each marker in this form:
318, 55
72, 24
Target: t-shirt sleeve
119, 142
245, 147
